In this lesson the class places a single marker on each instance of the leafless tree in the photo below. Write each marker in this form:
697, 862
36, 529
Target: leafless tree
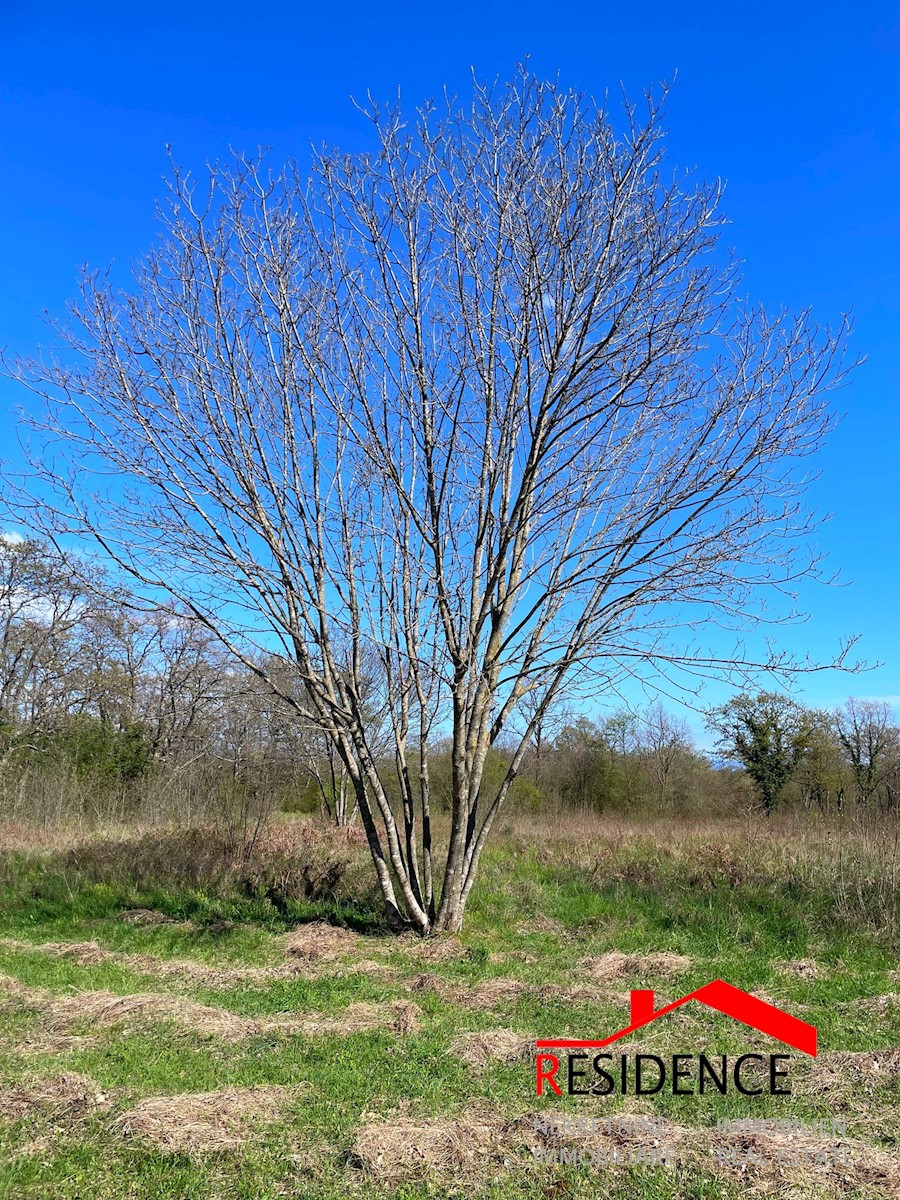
868, 735
663, 740
44, 610
482, 405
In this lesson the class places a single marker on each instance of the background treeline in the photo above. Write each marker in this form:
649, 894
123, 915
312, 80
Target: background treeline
108, 711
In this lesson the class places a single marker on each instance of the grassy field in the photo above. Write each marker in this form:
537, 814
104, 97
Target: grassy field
162, 1039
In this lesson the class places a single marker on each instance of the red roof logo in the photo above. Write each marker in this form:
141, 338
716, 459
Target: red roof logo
721, 997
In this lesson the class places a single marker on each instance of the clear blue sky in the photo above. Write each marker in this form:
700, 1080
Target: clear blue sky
796, 106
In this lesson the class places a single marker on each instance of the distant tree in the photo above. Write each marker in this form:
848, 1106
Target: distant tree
868, 735
768, 734
822, 775
663, 741
45, 608
580, 769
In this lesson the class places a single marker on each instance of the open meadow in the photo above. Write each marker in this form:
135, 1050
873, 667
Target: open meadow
181, 1020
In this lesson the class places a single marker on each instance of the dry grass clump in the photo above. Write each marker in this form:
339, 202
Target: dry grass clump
401, 1148
15, 995
147, 917
499, 991
104, 1008
586, 993
493, 1045
400, 1016
67, 1096
89, 954
766, 1162
878, 1005
800, 968
203, 1122
319, 941
488, 993
204, 975
541, 923
442, 948
848, 1074
491, 992
615, 965
13, 988
86, 954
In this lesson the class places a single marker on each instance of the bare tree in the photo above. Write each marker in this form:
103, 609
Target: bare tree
663, 740
44, 612
868, 735
480, 404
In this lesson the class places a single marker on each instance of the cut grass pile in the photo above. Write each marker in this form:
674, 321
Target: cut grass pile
159, 1044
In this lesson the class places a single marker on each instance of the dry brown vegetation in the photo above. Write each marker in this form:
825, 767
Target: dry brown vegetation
617, 966
104, 1008
485, 1046
199, 974
67, 1097
404, 1147
204, 1122
478, 1143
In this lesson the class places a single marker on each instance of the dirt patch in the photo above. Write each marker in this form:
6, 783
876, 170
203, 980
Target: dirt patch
493, 1045
614, 965
66, 1097
203, 1122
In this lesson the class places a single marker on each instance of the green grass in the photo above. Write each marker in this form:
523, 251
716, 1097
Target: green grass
539, 909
